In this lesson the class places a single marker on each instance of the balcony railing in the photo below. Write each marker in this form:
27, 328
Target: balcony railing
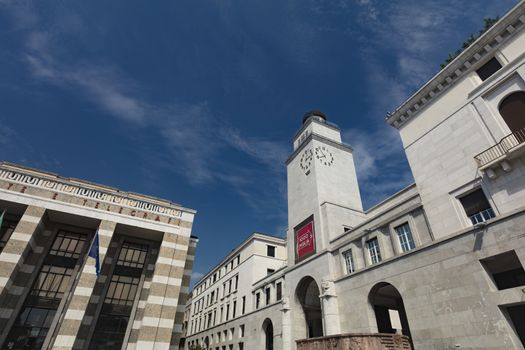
501, 148
377, 341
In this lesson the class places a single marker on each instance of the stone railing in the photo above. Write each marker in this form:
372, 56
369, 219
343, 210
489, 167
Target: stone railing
377, 341
501, 148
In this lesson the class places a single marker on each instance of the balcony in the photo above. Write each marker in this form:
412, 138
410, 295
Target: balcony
500, 152
377, 341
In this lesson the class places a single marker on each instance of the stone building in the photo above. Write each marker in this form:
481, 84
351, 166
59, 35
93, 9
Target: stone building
222, 296
438, 265
50, 293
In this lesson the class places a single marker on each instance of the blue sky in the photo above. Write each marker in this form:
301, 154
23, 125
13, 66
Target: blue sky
197, 101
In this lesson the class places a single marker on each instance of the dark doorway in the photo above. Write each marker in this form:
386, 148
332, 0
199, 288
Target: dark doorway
268, 334
517, 316
512, 109
389, 310
308, 295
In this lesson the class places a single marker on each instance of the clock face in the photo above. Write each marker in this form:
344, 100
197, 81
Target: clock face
306, 160
324, 155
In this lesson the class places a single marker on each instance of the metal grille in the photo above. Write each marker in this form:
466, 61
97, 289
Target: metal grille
122, 290
68, 244
52, 282
132, 255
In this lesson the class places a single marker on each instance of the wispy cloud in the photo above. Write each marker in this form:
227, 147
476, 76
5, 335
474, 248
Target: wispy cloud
195, 277
415, 36
380, 162
192, 135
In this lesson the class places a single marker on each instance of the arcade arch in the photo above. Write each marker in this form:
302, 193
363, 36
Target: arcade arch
389, 309
307, 294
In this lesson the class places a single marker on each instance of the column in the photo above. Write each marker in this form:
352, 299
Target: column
330, 308
18, 259
183, 296
16, 249
161, 306
286, 324
74, 314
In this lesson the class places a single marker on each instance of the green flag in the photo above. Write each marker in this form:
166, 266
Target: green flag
2, 219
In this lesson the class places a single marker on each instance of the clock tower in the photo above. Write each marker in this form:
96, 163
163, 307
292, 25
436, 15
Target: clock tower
323, 194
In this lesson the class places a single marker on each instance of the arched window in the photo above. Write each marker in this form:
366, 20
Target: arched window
512, 109
268, 334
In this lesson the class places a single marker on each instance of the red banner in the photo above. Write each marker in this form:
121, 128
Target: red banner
305, 240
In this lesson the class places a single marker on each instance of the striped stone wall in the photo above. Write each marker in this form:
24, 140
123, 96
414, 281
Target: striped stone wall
161, 305
19, 262
183, 296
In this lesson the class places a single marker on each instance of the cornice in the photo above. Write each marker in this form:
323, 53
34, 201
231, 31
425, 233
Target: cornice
467, 61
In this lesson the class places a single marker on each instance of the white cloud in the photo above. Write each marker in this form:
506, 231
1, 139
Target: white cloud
194, 139
380, 162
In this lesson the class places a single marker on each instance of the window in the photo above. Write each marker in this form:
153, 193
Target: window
243, 305
373, 250
268, 295
406, 240
512, 110
505, 269
477, 207
517, 316
234, 308
114, 316
349, 261
257, 300
52, 282
279, 290
270, 250
227, 312
9, 223
269, 271
489, 68
241, 331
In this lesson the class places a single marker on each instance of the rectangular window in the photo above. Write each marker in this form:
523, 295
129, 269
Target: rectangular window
234, 308
241, 331
349, 261
9, 223
505, 269
227, 312
243, 305
489, 68
373, 250
257, 300
50, 285
477, 207
406, 241
268, 295
114, 316
269, 271
270, 250
279, 290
